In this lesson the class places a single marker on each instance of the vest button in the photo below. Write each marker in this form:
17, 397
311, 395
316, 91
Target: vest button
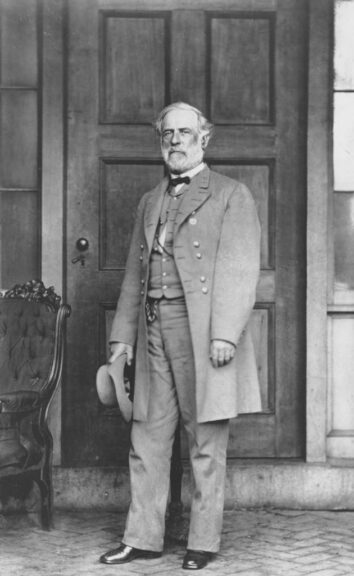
205, 290
142, 292
198, 255
140, 258
142, 281
142, 246
196, 243
202, 278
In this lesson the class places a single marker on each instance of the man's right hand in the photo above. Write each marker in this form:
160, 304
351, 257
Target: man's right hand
118, 349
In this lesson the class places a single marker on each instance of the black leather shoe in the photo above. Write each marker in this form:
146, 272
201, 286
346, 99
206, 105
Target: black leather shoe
196, 559
124, 554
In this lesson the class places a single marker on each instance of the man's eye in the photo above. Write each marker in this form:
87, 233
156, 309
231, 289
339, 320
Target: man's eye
167, 133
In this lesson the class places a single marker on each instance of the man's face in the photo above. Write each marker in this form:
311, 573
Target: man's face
181, 141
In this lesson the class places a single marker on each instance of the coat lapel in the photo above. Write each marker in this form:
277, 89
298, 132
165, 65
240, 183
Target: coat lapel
196, 194
153, 210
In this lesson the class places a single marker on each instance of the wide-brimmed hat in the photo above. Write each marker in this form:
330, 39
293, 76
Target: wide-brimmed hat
113, 388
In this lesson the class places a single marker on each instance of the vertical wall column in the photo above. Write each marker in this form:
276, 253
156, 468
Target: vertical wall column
319, 185
53, 170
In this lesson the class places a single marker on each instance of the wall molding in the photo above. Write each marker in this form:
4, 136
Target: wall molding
53, 220
319, 182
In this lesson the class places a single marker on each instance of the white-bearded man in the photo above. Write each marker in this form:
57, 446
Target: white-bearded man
183, 313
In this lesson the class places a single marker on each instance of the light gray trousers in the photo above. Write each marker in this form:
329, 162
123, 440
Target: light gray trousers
173, 394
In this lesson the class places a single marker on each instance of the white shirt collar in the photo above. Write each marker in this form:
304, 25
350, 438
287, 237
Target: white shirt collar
194, 171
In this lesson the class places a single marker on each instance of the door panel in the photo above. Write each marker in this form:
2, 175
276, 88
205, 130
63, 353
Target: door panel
133, 66
247, 69
241, 63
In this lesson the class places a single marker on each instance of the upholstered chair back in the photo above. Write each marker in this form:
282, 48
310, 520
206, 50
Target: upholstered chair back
27, 339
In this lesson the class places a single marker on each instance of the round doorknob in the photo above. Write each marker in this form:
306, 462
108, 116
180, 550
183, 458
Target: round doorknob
82, 244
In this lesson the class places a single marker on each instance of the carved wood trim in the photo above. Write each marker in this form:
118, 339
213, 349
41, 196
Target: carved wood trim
34, 291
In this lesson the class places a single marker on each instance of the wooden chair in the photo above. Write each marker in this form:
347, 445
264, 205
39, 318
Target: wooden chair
31, 360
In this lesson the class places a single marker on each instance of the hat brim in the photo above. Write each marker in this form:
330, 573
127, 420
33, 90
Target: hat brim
111, 387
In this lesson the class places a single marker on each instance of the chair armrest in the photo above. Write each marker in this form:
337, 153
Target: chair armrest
19, 402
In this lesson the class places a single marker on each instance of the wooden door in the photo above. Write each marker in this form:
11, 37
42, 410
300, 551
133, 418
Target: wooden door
243, 62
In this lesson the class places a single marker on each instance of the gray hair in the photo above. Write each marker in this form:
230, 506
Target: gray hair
205, 127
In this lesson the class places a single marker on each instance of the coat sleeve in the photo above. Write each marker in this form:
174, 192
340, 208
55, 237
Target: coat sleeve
237, 267
125, 321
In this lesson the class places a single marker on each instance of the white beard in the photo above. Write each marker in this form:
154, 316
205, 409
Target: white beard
181, 160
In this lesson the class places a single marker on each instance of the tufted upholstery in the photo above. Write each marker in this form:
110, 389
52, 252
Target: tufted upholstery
27, 335
31, 356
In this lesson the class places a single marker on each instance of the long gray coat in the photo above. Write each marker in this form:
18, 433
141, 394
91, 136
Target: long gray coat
218, 221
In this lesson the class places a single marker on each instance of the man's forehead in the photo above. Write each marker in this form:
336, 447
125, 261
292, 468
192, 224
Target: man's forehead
180, 119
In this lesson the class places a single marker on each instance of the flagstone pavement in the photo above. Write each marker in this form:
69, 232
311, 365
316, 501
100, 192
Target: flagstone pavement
255, 543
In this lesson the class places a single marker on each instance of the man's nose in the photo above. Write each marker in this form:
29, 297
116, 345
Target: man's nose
176, 138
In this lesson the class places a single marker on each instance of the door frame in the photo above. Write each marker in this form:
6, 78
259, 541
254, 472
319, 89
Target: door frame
52, 154
319, 189
319, 181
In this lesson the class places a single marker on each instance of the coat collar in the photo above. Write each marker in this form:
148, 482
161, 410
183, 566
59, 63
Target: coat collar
195, 194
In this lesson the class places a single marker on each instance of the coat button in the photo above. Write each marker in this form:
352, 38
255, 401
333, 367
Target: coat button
141, 246
198, 255
203, 279
142, 281
205, 290
196, 243
140, 258
142, 292
164, 287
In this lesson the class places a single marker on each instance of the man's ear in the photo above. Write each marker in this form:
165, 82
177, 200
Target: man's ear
205, 140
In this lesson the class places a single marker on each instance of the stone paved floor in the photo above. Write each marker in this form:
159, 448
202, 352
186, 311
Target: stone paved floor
255, 543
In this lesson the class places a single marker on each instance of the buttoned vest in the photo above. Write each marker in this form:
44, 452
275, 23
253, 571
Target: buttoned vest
164, 280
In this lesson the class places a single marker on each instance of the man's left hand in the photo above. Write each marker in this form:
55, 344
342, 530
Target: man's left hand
221, 352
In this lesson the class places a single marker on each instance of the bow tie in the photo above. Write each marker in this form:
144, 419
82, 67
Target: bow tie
180, 180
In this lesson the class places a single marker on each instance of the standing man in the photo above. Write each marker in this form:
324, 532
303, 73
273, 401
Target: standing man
185, 303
